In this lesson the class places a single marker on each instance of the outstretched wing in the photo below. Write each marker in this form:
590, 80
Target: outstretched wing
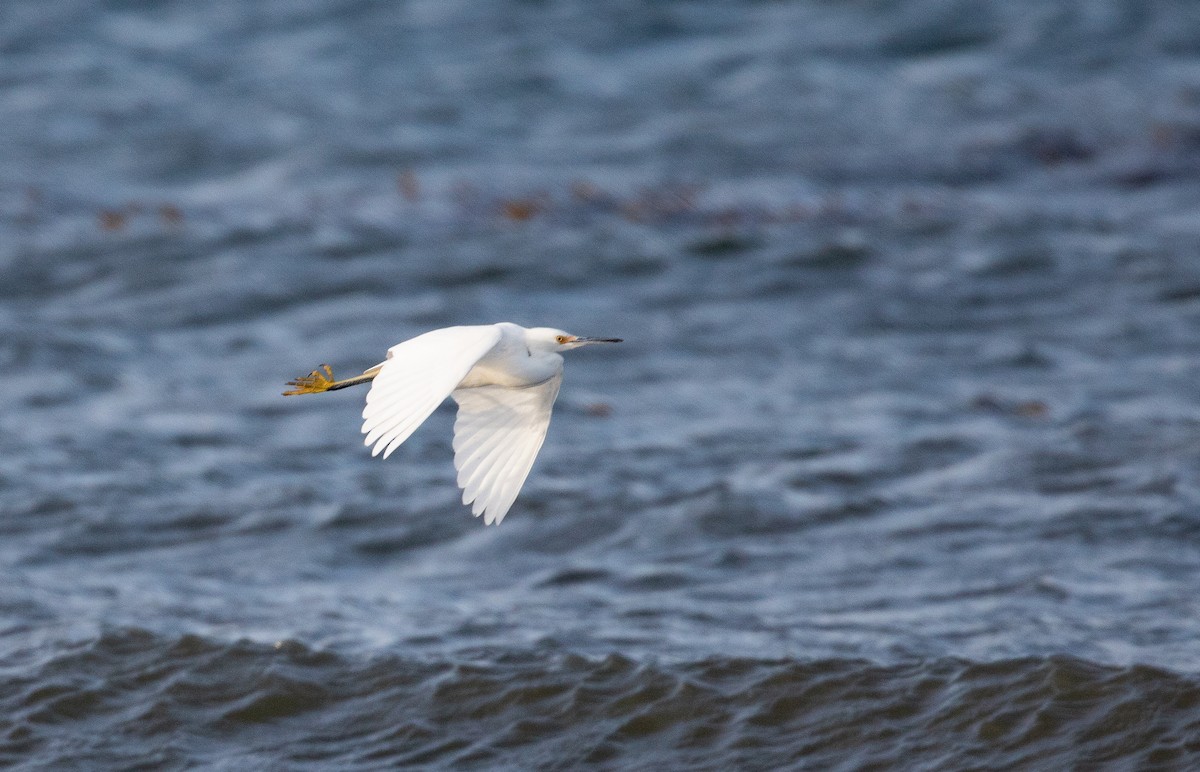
417, 376
497, 435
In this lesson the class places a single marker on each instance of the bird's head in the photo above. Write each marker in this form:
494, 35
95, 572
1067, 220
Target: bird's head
550, 339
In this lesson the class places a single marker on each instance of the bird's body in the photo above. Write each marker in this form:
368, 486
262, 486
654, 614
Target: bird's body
504, 378
511, 362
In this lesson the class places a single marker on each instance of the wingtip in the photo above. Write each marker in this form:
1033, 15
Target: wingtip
493, 517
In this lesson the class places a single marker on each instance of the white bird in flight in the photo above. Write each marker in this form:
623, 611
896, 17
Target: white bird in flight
504, 378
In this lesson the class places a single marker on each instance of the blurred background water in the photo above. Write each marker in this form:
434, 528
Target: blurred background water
898, 466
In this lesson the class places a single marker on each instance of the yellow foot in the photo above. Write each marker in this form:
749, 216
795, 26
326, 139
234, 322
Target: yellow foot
313, 383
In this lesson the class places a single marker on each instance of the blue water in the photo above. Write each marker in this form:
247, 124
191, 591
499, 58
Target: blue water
899, 465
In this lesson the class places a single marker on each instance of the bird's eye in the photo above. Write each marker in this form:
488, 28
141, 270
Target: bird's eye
561, 338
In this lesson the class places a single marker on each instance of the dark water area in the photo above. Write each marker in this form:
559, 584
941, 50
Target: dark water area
898, 467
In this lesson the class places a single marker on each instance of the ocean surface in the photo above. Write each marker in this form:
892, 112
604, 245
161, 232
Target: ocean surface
898, 467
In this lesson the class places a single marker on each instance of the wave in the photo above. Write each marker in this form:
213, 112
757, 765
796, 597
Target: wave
131, 697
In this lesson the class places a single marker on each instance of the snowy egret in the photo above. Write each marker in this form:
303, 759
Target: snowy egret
504, 378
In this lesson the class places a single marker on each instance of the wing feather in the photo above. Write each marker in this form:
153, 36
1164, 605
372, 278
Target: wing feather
506, 483
488, 474
497, 436
416, 377
481, 453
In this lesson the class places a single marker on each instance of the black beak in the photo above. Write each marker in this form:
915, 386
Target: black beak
597, 340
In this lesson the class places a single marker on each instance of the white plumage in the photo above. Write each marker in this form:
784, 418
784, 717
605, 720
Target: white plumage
504, 378
497, 435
